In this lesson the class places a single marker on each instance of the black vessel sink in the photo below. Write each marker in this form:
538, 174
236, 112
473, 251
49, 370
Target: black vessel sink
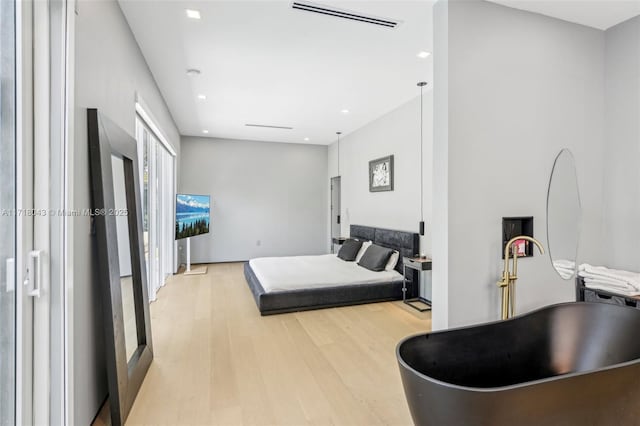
567, 364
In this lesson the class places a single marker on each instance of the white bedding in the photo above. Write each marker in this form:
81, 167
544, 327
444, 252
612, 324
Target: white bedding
305, 272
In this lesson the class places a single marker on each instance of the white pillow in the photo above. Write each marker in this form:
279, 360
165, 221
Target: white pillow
393, 261
364, 248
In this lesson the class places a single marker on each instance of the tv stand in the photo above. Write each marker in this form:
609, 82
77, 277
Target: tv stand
198, 270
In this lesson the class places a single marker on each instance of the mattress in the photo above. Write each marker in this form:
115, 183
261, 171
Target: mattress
279, 274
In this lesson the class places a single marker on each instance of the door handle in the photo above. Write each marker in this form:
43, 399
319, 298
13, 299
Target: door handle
10, 274
34, 275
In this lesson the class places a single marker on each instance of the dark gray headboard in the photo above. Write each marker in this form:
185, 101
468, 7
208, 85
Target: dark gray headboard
407, 243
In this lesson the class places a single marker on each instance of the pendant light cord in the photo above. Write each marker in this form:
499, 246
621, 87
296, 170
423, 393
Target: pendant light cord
421, 159
338, 133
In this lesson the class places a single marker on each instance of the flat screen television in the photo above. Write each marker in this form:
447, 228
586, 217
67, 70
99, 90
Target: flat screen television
193, 215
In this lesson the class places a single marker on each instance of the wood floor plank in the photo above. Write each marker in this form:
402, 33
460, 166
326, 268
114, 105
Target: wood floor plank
218, 362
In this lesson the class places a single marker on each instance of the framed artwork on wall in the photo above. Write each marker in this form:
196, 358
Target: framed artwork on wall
381, 174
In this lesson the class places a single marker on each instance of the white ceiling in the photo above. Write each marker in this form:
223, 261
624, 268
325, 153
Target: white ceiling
263, 62
600, 14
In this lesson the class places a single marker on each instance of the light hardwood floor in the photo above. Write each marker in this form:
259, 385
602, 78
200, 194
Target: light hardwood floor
218, 362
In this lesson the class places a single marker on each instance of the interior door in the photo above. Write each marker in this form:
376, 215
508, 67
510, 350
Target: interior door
335, 207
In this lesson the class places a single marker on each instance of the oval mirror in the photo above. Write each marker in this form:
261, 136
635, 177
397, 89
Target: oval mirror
563, 215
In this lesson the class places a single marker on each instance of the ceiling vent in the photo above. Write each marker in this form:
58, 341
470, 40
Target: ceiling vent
269, 126
354, 16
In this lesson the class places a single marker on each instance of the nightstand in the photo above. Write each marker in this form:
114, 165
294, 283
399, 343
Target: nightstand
420, 264
337, 241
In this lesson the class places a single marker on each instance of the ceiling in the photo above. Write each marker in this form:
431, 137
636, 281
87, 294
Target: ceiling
600, 14
263, 62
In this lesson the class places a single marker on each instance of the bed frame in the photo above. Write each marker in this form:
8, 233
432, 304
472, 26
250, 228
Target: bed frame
406, 243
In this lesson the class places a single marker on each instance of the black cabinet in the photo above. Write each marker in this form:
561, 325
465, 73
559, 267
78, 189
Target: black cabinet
585, 294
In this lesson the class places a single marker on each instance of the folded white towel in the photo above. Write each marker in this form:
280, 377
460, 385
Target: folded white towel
613, 284
592, 278
596, 285
564, 263
567, 269
611, 275
565, 273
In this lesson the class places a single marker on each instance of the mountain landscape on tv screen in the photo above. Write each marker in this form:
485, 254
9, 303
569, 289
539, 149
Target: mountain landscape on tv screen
192, 215
189, 203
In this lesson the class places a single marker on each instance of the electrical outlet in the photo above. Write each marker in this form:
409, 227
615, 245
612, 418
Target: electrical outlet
258, 243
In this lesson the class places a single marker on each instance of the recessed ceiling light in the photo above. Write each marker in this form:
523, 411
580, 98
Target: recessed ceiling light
192, 72
423, 54
205, 131
306, 139
345, 111
193, 14
202, 97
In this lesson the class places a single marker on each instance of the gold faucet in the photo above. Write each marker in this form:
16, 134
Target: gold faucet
508, 281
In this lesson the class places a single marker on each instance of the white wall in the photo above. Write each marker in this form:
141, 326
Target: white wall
274, 193
397, 133
622, 139
109, 72
440, 184
518, 88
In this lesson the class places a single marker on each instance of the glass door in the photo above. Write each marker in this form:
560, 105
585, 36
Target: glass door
7, 214
152, 189
142, 136
32, 81
158, 189
165, 221
168, 205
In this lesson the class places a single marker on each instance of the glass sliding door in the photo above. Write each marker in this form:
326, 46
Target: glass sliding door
7, 218
33, 114
168, 226
158, 177
142, 136
159, 216
153, 217
165, 219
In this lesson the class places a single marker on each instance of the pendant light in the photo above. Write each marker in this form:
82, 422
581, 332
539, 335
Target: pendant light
421, 86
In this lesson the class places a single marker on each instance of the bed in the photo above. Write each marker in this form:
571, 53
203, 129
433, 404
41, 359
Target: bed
299, 283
